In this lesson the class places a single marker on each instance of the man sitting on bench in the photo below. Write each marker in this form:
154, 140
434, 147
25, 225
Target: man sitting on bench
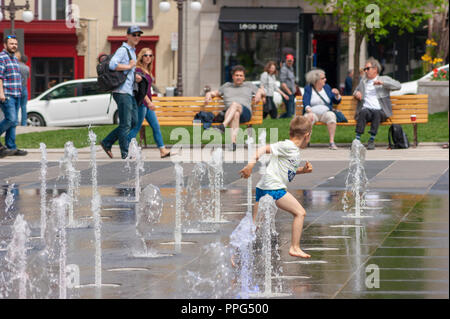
374, 104
237, 97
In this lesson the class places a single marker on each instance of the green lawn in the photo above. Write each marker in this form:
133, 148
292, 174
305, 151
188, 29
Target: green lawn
436, 130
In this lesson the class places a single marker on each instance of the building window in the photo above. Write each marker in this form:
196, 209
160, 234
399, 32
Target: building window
53, 9
133, 12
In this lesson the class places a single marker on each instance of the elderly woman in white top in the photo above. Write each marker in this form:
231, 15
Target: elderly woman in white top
268, 82
318, 100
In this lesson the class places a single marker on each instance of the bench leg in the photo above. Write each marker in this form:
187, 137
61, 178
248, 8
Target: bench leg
415, 134
142, 136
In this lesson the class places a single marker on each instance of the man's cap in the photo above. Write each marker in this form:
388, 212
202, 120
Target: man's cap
134, 29
289, 57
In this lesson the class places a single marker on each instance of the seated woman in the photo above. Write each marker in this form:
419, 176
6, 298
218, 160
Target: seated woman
318, 100
147, 110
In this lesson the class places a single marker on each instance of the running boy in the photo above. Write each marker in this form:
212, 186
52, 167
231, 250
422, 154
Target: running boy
284, 165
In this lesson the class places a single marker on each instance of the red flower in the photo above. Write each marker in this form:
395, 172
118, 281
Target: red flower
435, 70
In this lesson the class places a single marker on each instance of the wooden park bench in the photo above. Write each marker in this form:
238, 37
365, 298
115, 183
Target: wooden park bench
403, 107
181, 110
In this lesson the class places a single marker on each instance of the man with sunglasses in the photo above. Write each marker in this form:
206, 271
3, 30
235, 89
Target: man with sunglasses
124, 60
374, 103
10, 92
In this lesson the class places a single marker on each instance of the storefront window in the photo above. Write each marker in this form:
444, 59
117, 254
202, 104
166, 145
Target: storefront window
253, 50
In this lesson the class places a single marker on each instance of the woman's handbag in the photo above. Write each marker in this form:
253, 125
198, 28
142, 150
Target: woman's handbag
340, 117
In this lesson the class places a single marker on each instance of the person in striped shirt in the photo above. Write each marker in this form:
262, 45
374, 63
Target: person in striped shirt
10, 91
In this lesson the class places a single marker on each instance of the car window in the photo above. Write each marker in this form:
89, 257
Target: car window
65, 91
90, 88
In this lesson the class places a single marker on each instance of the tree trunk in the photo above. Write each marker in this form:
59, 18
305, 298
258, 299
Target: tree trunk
438, 30
358, 40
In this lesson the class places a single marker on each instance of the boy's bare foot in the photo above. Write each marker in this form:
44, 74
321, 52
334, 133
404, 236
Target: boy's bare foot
297, 252
232, 261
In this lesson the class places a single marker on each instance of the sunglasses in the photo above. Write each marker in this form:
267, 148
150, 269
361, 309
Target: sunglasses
148, 55
11, 37
136, 34
368, 68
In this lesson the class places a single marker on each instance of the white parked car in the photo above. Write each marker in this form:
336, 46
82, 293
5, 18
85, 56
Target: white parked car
411, 87
72, 103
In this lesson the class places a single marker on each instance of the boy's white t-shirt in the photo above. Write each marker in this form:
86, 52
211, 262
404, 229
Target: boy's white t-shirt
283, 165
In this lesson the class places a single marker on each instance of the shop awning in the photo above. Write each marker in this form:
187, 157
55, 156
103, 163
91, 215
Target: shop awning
259, 19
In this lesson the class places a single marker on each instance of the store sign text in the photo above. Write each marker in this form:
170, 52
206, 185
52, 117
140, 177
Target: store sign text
258, 27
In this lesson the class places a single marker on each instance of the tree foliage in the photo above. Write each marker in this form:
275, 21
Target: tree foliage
377, 17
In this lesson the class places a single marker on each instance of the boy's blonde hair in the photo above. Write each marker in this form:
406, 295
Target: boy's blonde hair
299, 126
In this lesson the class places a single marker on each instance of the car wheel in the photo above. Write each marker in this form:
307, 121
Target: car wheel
116, 118
34, 119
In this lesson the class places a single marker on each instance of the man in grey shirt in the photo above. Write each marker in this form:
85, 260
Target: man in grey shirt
237, 97
287, 79
25, 74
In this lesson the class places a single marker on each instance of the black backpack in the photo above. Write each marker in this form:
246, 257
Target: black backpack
397, 137
107, 79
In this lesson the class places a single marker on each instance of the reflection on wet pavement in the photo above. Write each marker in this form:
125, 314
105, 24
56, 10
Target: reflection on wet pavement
400, 252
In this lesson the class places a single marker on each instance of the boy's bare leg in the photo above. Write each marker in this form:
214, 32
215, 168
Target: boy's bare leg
255, 211
291, 205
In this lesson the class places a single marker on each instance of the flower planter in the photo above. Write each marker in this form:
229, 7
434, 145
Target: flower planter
437, 95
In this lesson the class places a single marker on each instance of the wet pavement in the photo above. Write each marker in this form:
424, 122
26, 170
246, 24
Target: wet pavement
398, 250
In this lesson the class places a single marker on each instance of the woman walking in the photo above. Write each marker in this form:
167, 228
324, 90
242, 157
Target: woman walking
268, 83
146, 110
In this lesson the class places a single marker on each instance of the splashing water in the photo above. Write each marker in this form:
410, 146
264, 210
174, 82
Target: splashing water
59, 206
249, 180
265, 221
135, 152
241, 241
356, 182
96, 208
16, 261
215, 176
179, 184
73, 176
148, 213
43, 176
9, 200
263, 159
195, 209
216, 277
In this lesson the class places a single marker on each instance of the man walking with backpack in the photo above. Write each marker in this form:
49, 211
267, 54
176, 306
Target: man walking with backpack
124, 60
374, 103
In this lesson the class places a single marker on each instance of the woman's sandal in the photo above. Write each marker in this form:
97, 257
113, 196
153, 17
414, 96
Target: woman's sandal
166, 155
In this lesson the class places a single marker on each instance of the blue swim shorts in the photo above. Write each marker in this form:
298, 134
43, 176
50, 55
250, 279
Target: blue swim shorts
275, 193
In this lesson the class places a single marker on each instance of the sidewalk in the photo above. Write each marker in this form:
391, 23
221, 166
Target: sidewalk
427, 151
317, 152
